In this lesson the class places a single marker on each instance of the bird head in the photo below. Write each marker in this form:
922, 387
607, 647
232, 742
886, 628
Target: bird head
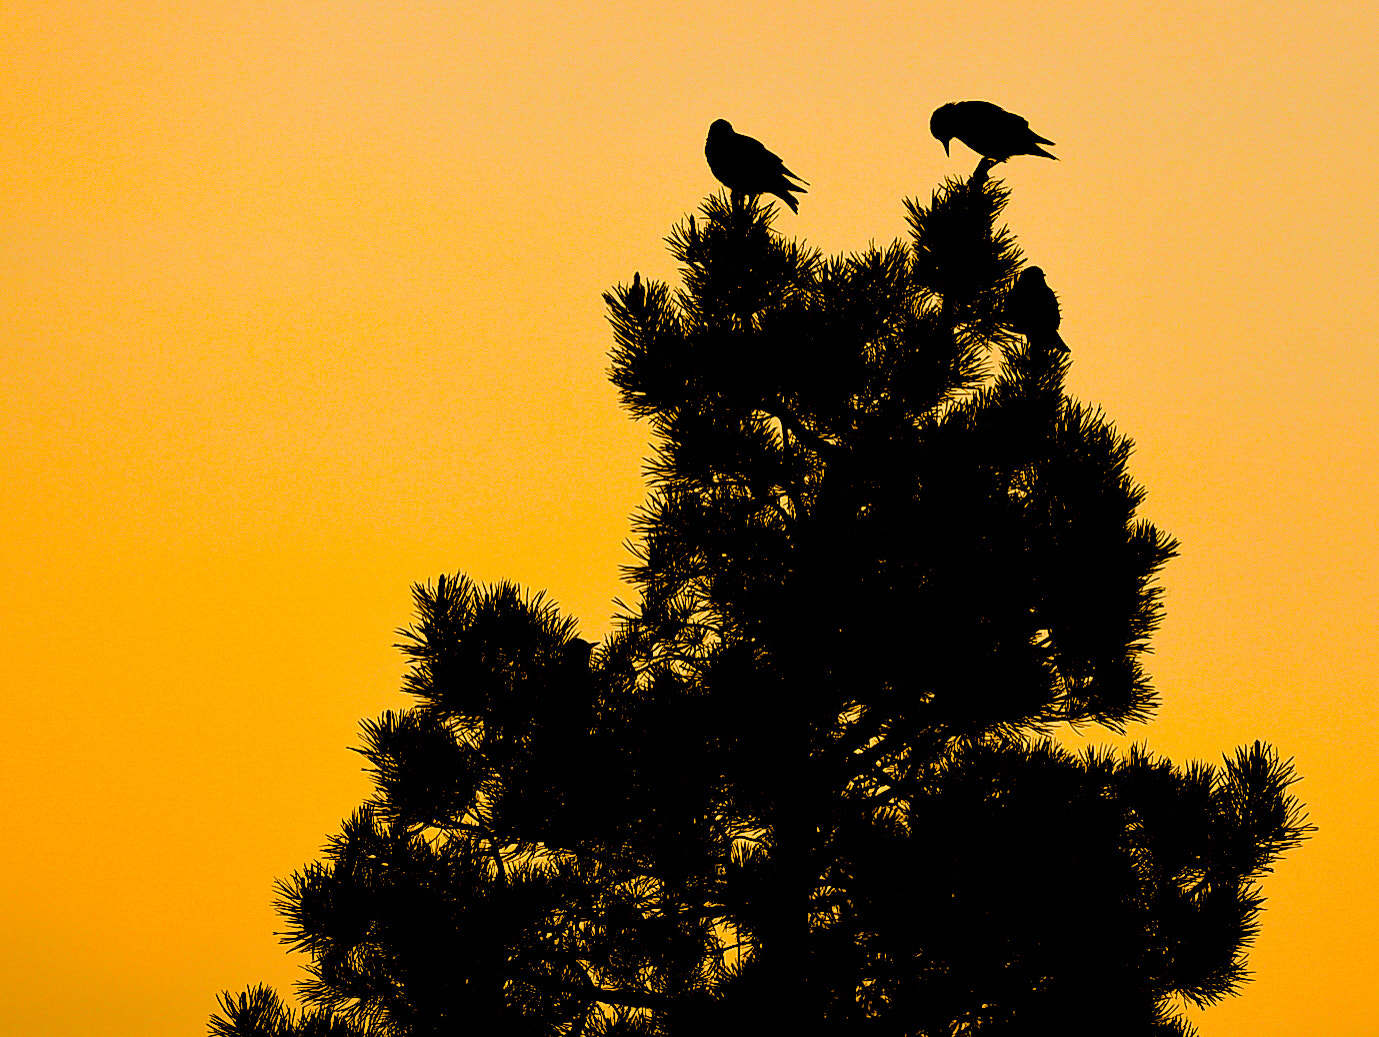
720, 127
1032, 273
940, 125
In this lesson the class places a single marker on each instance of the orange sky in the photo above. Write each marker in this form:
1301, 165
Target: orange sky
302, 305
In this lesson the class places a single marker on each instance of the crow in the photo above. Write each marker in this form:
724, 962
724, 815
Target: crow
1031, 308
987, 129
744, 166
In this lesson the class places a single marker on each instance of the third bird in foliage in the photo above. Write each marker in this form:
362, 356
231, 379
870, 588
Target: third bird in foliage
1032, 309
987, 129
743, 165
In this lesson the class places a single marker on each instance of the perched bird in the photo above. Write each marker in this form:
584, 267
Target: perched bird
987, 129
577, 652
1031, 308
636, 295
743, 165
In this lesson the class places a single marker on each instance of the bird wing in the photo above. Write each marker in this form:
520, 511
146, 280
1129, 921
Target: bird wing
753, 152
1011, 122
1020, 125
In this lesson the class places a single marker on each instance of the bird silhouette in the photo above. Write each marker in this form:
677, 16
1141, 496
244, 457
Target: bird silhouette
987, 129
744, 166
636, 296
1031, 308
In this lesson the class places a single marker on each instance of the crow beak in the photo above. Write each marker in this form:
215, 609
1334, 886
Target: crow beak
945, 147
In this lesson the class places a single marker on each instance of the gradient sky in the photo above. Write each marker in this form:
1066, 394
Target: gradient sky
301, 305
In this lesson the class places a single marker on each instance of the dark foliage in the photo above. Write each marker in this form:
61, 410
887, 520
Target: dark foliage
807, 785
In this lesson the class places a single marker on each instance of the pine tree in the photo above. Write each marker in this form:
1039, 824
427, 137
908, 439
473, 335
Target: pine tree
807, 785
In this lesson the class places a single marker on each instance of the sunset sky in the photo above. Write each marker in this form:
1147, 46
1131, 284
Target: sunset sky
302, 305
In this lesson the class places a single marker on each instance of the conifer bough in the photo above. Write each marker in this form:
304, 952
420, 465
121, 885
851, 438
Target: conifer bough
806, 785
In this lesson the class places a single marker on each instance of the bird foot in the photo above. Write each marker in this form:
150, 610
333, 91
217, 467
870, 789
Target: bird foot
984, 167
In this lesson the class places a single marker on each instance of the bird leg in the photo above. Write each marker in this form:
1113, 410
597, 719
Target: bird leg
979, 175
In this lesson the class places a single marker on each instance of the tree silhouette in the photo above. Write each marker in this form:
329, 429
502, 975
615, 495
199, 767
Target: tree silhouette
807, 785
